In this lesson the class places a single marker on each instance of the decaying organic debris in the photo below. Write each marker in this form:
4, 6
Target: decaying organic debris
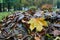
30, 25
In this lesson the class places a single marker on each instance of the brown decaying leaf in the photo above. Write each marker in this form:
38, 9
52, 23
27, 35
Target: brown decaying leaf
37, 38
56, 32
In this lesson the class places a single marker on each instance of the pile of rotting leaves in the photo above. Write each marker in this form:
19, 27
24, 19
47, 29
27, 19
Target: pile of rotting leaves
30, 25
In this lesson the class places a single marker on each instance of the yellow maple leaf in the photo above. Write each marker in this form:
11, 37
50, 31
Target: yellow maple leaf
37, 23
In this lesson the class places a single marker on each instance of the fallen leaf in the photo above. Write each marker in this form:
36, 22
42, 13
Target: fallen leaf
56, 32
37, 38
37, 23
